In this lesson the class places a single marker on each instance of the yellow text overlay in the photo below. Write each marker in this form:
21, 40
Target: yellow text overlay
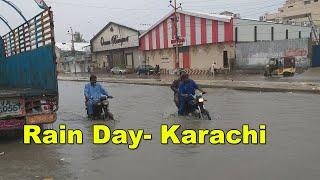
216, 137
102, 134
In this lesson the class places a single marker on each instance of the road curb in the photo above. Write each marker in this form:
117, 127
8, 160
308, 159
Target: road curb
235, 85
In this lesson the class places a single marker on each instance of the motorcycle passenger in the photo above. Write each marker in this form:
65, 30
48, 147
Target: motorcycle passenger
93, 93
187, 88
175, 88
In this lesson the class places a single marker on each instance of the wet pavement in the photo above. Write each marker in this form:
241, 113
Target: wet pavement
292, 150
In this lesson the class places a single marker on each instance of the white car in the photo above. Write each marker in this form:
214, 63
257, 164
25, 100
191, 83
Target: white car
118, 70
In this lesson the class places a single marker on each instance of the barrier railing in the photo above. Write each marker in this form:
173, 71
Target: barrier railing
37, 32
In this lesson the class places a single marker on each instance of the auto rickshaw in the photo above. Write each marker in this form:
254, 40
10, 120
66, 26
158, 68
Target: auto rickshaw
283, 66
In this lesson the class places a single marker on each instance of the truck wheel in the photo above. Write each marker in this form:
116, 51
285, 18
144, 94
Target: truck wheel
286, 74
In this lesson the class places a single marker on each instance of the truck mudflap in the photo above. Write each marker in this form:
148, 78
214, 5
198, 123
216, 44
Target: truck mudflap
41, 119
11, 124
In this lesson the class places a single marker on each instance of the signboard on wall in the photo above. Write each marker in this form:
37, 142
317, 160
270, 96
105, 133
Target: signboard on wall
165, 60
114, 40
115, 36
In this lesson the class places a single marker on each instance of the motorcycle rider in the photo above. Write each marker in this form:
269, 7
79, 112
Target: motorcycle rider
187, 88
94, 93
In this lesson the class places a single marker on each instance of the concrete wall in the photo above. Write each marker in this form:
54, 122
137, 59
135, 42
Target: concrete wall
202, 57
246, 31
138, 57
163, 58
255, 55
101, 57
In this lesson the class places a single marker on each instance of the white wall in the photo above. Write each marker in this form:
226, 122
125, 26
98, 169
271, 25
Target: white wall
246, 30
121, 32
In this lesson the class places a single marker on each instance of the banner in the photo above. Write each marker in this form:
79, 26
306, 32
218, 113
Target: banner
41, 4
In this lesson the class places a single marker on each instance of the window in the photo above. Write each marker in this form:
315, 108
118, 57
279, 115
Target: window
290, 6
315, 0
307, 2
236, 34
299, 34
272, 33
287, 34
255, 34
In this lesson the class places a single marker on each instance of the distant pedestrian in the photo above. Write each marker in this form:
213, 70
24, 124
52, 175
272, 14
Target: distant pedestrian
157, 69
213, 66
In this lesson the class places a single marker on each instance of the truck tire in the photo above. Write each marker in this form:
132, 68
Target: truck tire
286, 74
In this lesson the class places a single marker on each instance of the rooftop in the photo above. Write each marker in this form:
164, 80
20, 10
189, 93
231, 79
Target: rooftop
80, 47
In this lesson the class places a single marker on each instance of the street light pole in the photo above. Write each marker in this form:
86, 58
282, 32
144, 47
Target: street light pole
72, 40
176, 31
72, 49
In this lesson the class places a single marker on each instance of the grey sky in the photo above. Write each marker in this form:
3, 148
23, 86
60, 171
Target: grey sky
89, 16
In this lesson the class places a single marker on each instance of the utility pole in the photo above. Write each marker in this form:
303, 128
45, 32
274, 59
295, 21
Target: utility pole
72, 39
72, 49
314, 29
175, 19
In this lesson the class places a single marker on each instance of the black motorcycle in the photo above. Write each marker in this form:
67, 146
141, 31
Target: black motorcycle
101, 109
195, 106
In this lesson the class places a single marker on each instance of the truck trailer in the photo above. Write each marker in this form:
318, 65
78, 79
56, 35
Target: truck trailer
28, 77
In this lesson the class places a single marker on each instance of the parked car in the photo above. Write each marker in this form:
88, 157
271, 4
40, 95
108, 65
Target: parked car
118, 70
145, 69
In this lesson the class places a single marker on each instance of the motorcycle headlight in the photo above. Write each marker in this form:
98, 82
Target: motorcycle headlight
201, 100
105, 103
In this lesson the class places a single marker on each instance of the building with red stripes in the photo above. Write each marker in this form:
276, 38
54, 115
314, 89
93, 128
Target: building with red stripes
205, 38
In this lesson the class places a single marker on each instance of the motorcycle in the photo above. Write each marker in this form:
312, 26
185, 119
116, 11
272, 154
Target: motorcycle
101, 109
196, 107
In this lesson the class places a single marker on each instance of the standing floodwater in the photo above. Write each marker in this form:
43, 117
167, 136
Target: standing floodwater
292, 150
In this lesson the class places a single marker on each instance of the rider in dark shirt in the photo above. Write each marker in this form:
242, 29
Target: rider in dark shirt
175, 88
187, 88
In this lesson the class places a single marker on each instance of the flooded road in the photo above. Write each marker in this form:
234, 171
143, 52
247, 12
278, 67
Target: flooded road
292, 150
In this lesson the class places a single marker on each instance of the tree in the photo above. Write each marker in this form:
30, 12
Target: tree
78, 37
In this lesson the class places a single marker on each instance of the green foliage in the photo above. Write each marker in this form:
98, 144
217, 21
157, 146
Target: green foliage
78, 37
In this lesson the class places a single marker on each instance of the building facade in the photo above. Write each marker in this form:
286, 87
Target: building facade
204, 39
209, 38
294, 11
256, 55
73, 61
257, 41
247, 30
116, 46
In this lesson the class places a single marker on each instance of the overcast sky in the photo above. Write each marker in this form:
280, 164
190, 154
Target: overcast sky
89, 16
